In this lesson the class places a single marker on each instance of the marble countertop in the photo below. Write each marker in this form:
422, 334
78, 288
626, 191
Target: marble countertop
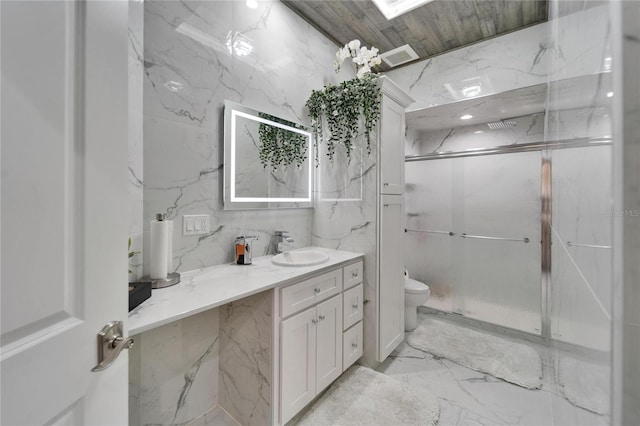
208, 288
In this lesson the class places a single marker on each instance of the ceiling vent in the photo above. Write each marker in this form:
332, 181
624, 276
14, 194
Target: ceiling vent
503, 124
399, 55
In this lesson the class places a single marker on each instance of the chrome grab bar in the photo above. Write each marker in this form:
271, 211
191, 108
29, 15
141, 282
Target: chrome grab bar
425, 231
570, 244
481, 237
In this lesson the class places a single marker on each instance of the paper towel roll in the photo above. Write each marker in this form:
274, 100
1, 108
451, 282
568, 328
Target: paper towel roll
170, 247
159, 248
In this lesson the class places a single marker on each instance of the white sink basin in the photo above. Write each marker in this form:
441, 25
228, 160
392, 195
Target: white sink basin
300, 258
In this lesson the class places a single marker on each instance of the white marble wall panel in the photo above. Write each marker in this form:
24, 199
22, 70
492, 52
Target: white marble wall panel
246, 359
135, 174
518, 59
189, 72
173, 371
511, 61
345, 219
528, 129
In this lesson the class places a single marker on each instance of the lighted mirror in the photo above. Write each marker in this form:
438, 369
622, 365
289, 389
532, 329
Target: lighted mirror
268, 161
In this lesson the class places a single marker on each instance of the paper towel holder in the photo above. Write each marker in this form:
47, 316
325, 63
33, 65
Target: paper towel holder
171, 279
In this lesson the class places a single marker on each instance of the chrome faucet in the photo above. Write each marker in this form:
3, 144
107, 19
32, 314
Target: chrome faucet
277, 239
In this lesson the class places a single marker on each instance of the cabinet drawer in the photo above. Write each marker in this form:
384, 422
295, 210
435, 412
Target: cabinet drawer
352, 275
352, 306
351, 345
297, 297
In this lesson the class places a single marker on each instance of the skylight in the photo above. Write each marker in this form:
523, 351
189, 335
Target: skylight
392, 8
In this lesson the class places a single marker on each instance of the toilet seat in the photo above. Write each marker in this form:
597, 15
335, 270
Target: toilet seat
412, 286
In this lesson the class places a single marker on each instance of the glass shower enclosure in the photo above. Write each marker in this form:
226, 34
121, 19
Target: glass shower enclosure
474, 235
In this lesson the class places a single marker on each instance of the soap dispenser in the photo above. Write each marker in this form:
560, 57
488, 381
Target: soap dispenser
243, 245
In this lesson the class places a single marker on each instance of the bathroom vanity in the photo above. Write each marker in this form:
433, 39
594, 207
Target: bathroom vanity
259, 341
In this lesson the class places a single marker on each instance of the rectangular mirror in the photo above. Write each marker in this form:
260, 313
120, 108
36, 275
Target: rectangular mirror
268, 161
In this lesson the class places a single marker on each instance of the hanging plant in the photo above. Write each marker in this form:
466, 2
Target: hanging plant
342, 107
281, 147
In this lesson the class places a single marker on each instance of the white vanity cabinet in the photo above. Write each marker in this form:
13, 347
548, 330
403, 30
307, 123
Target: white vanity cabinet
317, 320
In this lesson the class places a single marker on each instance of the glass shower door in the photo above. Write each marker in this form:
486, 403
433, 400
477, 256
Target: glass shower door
474, 236
497, 218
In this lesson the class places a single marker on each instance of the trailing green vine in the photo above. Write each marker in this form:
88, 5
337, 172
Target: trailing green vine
281, 147
341, 107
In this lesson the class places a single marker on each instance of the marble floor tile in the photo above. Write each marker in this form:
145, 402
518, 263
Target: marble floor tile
468, 397
216, 417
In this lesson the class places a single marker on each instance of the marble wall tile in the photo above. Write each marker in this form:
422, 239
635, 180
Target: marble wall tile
345, 219
528, 129
173, 371
511, 61
246, 359
515, 60
189, 72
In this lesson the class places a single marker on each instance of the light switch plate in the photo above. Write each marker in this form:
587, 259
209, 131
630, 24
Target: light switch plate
195, 224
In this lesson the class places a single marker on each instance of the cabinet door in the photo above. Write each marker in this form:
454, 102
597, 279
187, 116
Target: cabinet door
391, 281
297, 363
352, 345
352, 306
329, 342
391, 147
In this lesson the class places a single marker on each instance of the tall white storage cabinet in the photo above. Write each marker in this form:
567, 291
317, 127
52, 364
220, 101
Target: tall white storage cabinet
367, 217
390, 223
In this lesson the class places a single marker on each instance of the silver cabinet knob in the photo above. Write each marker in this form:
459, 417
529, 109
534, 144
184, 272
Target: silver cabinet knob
354, 306
354, 275
315, 321
321, 317
317, 290
355, 345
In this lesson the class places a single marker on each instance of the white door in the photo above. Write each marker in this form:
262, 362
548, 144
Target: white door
391, 147
328, 342
63, 209
391, 284
297, 363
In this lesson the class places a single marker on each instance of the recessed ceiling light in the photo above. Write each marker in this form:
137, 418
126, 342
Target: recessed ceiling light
252, 4
477, 132
239, 44
610, 95
174, 86
392, 8
466, 117
471, 91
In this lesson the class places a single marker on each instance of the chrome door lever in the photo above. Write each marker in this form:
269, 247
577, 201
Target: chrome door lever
110, 344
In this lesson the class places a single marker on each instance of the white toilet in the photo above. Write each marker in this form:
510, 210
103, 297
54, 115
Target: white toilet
415, 294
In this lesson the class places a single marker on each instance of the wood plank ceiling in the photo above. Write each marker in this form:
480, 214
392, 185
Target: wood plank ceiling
432, 29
